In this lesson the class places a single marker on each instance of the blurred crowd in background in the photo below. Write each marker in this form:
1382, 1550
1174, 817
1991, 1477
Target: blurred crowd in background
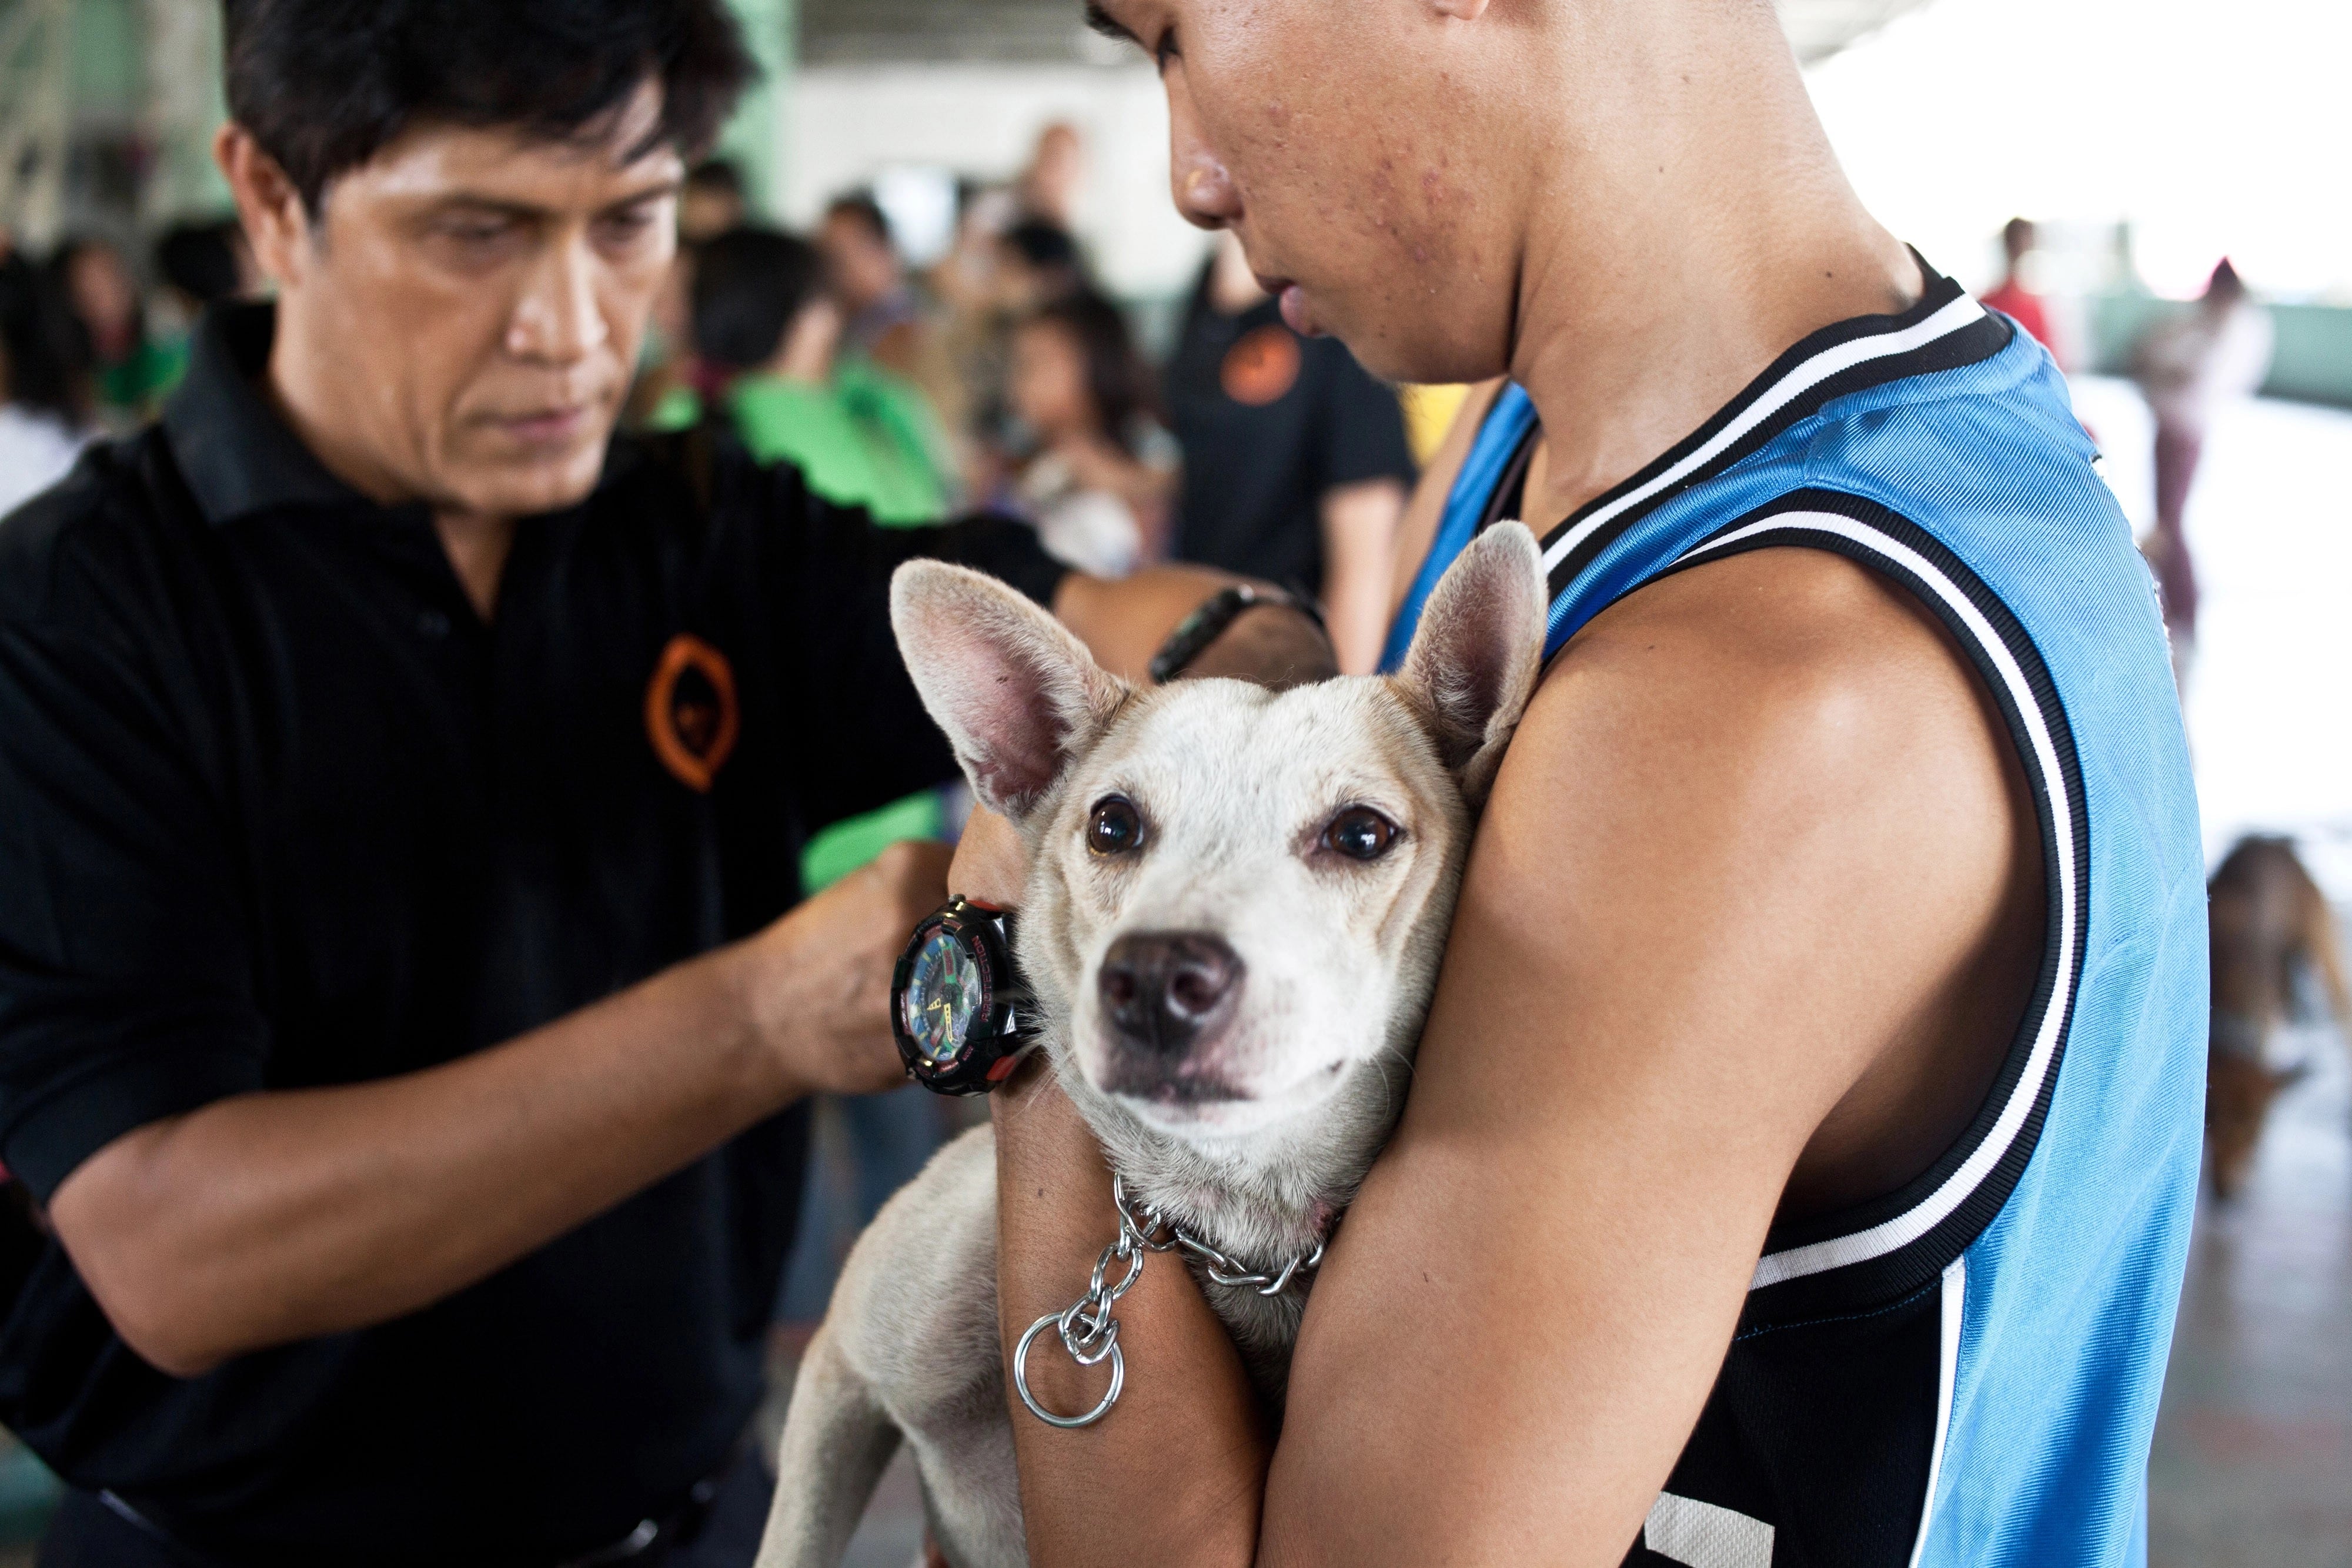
1005, 377
90, 343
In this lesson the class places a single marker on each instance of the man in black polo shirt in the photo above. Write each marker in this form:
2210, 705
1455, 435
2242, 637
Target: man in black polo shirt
401, 784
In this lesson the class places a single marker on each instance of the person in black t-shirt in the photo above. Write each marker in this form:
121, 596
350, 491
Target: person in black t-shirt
1296, 465
404, 994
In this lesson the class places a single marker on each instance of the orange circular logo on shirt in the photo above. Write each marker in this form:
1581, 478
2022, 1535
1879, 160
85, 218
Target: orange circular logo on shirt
690, 713
1262, 367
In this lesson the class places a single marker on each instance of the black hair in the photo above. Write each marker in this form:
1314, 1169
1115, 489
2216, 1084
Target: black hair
1118, 379
44, 351
717, 174
61, 268
748, 283
1047, 246
323, 85
200, 260
861, 206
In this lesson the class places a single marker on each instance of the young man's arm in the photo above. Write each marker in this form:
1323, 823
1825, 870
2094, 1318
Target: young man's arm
1755, 885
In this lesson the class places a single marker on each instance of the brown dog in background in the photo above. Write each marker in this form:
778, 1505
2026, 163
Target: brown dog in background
2272, 927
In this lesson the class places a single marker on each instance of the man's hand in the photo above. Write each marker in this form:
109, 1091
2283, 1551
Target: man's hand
817, 982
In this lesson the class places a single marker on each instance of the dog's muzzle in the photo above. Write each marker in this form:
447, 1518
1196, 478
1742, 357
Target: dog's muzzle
1165, 994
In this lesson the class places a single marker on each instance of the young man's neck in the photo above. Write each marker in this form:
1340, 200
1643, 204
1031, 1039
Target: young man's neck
1731, 234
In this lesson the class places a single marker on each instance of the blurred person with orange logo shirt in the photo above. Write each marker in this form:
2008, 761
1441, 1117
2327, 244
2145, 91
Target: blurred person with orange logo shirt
1296, 461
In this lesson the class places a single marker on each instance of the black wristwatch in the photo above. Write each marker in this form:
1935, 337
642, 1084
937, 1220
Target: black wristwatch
1206, 624
955, 1004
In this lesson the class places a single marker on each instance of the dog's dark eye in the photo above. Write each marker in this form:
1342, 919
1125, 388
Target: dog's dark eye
1115, 828
1361, 834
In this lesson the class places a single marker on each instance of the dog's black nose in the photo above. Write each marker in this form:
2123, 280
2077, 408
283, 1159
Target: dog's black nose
1164, 989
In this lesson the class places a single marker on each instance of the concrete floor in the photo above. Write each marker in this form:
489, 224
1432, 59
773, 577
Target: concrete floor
2252, 1465
2252, 1462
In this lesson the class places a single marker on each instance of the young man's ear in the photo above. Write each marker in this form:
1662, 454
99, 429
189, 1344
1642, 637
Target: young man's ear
277, 223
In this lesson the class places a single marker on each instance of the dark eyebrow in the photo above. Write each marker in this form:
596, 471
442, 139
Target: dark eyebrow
476, 202
491, 206
654, 192
1108, 26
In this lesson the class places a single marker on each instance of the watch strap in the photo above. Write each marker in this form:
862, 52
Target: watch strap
1206, 624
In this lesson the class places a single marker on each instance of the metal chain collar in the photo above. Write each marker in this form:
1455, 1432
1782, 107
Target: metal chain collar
1089, 1331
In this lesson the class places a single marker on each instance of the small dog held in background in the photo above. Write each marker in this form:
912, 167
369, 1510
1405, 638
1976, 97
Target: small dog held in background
1235, 907
2273, 936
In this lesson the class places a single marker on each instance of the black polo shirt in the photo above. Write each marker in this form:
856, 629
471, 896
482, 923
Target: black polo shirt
277, 809
1270, 423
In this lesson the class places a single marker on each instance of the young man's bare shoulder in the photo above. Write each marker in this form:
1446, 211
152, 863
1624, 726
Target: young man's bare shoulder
1777, 708
1772, 766
1777, 641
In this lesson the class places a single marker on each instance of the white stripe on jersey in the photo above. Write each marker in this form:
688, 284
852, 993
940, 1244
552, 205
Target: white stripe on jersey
1830, 362
1915, 1222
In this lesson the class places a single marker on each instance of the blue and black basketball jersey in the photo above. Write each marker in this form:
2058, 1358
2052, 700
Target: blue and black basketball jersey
1964, 1372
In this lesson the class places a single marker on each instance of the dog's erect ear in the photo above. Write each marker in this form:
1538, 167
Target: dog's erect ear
1477, 652
1019, 697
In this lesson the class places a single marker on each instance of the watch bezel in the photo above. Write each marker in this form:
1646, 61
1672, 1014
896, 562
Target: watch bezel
991, 1043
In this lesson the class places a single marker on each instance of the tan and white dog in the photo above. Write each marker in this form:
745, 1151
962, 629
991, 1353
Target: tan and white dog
1235, 907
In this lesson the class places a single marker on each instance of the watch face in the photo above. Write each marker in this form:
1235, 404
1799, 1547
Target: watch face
945, 992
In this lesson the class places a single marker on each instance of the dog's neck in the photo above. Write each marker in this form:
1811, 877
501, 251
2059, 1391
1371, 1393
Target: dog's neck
1260, 1211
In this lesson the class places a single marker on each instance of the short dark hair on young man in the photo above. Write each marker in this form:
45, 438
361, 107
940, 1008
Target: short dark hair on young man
748, 283
322, 85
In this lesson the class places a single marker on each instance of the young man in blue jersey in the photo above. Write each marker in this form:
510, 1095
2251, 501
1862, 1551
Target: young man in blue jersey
1799, 1159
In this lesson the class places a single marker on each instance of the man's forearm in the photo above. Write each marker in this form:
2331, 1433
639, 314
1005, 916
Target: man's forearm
277, 1215
1123, 624
1188, 1409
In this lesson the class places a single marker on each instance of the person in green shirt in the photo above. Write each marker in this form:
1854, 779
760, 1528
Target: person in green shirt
762, 321
766, 336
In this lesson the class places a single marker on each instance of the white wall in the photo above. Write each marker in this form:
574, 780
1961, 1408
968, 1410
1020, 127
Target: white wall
2213, 125
847, 122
